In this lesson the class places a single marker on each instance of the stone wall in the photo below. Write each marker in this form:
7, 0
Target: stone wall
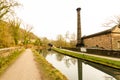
111, 53
115, 41
108, 39
103, 52
101, 41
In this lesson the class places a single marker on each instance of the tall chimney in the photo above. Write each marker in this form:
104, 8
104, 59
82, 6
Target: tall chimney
78, 28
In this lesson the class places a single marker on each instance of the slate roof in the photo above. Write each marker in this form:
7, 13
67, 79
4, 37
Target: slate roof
99, 33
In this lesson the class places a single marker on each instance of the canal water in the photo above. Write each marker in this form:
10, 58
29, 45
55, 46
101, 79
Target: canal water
77, 69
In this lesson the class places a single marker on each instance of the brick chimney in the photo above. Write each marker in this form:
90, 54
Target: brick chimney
78, 28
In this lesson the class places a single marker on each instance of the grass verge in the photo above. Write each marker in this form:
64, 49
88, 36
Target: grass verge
46, 69
99, 60
5, 62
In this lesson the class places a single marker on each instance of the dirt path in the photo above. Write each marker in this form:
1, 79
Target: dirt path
23, 69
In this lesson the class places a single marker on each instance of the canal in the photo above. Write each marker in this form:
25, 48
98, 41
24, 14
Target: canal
77, 69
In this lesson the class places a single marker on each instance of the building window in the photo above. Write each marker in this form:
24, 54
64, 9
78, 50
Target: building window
118, 44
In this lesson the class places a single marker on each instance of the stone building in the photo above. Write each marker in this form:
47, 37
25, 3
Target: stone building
108, 39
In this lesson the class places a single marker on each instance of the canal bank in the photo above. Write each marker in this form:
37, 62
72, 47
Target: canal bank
107, 61
78, 69
48, 72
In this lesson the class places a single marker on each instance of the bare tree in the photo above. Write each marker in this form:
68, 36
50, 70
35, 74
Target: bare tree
27, 29
45, 42
73, 40
14, 26
73, 37
115, 20
60, 42
67, 35
6, 6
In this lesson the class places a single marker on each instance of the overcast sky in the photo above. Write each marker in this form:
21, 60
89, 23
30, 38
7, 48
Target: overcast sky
52, 17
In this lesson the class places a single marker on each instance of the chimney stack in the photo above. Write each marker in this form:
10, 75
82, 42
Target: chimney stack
79, 42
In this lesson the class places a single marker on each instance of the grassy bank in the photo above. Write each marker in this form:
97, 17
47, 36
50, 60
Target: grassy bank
47, 70
5, 62
103, 61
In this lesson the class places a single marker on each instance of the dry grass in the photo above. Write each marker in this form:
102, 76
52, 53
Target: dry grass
47, 70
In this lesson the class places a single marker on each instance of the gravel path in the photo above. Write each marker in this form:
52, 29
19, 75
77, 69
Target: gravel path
24, 68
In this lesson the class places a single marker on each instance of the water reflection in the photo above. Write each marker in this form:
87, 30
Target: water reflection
80, 74
77, 69
110, 73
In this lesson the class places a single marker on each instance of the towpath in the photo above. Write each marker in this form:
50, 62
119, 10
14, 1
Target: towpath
24, 68
106, 57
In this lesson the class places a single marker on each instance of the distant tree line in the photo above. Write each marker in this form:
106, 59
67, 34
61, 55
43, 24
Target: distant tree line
67, 40
12, 35
10, 32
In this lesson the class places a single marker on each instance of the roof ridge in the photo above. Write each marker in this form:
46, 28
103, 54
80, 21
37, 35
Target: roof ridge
100, 33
